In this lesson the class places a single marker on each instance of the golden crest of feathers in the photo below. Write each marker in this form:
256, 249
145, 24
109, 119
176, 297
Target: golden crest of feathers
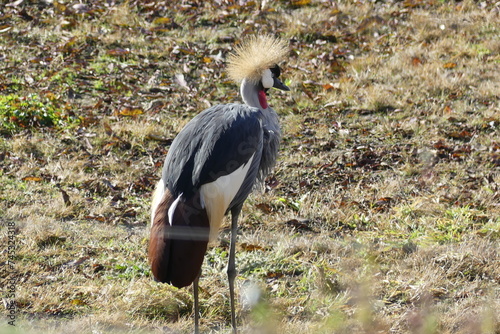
254, 55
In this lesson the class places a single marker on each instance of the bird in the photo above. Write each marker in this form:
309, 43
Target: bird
213, 164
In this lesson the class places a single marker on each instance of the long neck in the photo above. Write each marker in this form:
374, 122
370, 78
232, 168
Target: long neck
254, 96
250, 94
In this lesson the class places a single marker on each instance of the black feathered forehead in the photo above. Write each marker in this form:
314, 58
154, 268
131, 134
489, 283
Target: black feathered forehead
276, 70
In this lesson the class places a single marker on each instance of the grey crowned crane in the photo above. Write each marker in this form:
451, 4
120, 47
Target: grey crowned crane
212, 166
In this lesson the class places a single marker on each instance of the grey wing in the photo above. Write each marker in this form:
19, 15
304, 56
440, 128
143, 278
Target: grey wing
271, 141
215, 143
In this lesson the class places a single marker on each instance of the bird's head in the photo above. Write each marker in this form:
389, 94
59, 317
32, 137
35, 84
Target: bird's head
254, 64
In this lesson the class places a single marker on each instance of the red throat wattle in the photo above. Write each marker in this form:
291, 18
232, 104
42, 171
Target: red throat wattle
263, 99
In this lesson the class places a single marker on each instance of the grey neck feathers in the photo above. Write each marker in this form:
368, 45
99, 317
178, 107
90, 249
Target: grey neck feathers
249, 93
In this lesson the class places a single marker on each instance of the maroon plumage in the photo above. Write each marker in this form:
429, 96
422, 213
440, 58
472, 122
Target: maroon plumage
177, 248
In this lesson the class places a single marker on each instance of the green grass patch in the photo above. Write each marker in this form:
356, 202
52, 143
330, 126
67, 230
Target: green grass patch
33, 111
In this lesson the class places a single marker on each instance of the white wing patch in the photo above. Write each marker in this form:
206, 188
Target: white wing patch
217, 195
172, 208
157, 196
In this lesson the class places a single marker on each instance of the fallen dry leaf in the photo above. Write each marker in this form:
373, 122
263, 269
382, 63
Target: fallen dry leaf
32, 178
131, 111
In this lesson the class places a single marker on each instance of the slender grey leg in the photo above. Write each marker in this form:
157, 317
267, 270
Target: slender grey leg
231, 267
196, 305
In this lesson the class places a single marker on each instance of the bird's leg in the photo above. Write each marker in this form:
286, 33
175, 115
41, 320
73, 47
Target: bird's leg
196, 304
231, 267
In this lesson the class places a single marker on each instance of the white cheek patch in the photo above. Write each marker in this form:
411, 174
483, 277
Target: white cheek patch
267, 79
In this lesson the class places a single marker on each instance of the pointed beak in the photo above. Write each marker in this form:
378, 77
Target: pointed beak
279, 85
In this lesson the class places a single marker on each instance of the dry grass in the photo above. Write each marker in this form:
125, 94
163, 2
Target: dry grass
382, 214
